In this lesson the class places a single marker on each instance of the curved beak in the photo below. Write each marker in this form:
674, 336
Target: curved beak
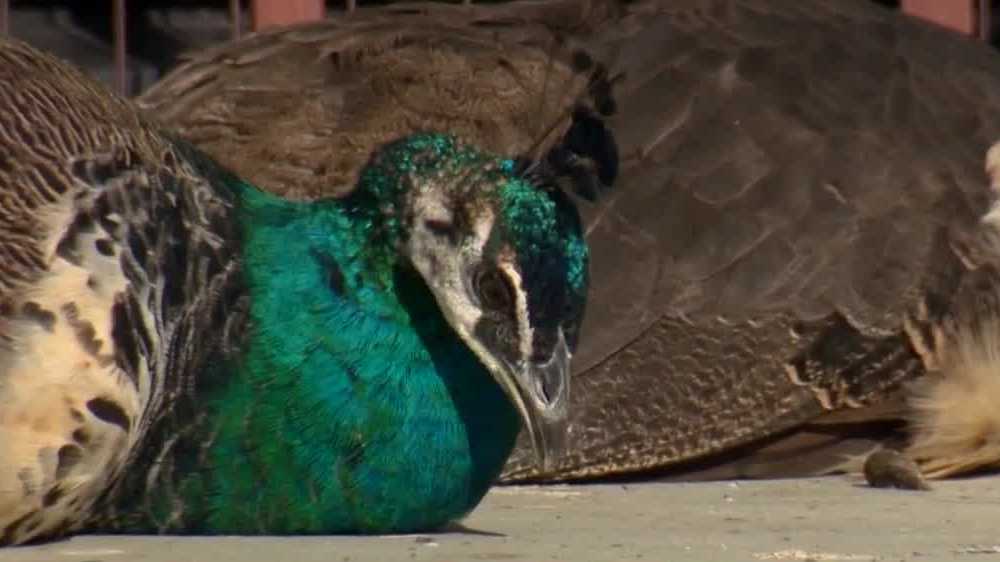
541, 393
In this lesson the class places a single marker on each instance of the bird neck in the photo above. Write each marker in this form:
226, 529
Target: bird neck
366, 411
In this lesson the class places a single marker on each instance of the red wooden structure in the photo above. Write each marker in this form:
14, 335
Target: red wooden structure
283, 12
971, 17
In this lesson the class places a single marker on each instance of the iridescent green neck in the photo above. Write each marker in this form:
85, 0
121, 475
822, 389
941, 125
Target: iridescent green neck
353, 406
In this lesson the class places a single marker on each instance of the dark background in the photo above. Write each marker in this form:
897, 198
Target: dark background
159, 31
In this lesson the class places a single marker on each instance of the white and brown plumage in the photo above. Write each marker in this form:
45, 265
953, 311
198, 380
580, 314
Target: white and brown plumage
92, 265
797, 263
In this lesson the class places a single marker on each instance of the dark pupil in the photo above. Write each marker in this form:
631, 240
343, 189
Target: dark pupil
493, 290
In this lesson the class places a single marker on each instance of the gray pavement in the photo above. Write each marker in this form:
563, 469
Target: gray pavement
834, 519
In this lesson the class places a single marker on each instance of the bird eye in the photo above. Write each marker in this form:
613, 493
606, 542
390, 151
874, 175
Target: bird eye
440, 227
493, 289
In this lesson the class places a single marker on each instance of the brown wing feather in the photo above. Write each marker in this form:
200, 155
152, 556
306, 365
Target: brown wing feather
794, 180
56, 356
110, 279
300, 110
69, 115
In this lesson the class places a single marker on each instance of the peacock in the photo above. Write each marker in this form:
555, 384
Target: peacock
182, 351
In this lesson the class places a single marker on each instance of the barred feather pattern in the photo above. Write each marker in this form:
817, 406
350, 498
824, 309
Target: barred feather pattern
111, 261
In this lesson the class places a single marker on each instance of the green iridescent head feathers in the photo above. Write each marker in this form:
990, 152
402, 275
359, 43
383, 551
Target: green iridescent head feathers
501, 248
538, 219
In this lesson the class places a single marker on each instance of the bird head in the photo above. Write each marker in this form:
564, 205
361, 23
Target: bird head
504, 256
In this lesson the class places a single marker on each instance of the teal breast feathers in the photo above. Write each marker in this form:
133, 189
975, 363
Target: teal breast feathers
356, 406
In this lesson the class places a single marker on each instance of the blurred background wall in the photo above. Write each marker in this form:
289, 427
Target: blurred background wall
156, 33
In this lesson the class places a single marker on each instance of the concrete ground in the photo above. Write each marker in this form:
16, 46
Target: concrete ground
835, 519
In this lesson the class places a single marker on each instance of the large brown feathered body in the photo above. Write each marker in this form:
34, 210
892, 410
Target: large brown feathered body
796, 260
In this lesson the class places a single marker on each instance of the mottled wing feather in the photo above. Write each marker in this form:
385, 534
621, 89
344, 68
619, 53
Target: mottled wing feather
794, 178
804, 159
110, 269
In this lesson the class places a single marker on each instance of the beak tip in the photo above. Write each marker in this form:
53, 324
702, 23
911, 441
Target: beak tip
541, 391
552, 445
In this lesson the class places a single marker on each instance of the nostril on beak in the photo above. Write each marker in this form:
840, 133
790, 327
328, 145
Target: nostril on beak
551, 382
549, 362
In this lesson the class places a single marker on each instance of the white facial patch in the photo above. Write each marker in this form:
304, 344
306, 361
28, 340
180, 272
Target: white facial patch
441, 264
433, 206
520, 309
